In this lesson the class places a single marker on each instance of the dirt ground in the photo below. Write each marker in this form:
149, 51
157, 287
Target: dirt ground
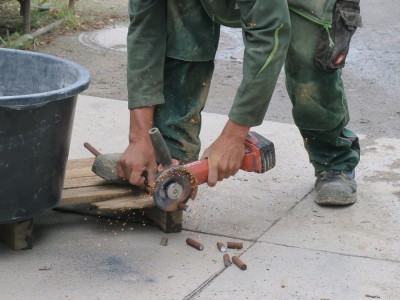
371, 74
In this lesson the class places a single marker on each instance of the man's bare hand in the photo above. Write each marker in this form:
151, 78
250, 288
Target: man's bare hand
138, 164
226, 153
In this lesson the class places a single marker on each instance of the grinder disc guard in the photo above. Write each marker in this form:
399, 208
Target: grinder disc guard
174, 185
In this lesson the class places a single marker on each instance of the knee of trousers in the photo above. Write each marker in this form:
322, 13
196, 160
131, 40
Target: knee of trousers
318, 97
317, 106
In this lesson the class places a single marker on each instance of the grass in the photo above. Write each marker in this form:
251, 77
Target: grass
84, 17
11, 23
11, 20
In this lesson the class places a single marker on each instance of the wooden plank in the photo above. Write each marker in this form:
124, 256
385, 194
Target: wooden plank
80, 163
169, 222
94, 180
18, 235
126, 203
82, 186
93, 194
79, 173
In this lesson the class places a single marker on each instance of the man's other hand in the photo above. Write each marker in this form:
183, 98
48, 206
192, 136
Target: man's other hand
226, 153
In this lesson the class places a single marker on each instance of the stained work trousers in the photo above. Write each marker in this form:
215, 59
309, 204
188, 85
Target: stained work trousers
182, 69
319, 101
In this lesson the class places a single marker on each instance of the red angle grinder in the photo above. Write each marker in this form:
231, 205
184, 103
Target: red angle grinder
176, 184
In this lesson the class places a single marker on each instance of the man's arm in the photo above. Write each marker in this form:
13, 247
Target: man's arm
138, 162
146, 43
266, 35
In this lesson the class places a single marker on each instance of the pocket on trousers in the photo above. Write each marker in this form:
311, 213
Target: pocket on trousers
334, 41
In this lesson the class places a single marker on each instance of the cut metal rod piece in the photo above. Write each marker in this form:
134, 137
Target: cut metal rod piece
92, 149
227, 260
234, 245
194, 244
221, 247
237, 261
164, 241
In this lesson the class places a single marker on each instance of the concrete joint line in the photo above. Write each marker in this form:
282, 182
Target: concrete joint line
206, 283
222, 236
330, 252
289, 211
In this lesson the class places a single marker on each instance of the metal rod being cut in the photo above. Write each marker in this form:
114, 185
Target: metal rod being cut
160, 147
92, 149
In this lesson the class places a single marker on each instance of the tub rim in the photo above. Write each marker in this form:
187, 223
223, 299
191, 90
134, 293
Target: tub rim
39, 99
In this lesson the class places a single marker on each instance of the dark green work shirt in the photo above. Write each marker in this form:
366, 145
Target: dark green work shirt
184, 30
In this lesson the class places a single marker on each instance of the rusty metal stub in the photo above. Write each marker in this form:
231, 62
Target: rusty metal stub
221, 247
227, 260
164, 241
237, 261
195, 244
234, 245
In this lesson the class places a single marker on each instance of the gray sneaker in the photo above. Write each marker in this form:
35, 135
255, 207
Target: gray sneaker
334, 187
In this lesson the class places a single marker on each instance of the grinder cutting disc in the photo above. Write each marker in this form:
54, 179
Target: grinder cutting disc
174, 185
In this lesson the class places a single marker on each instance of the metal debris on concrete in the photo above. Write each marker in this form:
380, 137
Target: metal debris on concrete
237, 261
194, 244
221, 247
234, 245
227, 260
164, 241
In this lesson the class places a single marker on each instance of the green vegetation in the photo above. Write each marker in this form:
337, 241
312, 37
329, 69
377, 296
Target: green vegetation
43, 12
16, 40
76, 15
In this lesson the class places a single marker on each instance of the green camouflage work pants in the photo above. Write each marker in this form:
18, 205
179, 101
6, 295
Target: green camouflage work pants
319, 101
171, 50
179, 118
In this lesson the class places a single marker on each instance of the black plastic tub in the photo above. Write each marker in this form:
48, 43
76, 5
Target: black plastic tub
37, 104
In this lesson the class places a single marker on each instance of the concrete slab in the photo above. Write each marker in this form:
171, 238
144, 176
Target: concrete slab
368, 228
293, 248
225, 208
100, 122
132, 262
77, 257
279, 272
266, 197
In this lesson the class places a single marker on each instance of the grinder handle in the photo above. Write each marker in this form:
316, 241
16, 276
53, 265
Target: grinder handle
160, 148
258, 158
199, 169
251, 163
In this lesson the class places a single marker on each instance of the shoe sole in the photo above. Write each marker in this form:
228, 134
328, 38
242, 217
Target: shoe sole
336, 201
